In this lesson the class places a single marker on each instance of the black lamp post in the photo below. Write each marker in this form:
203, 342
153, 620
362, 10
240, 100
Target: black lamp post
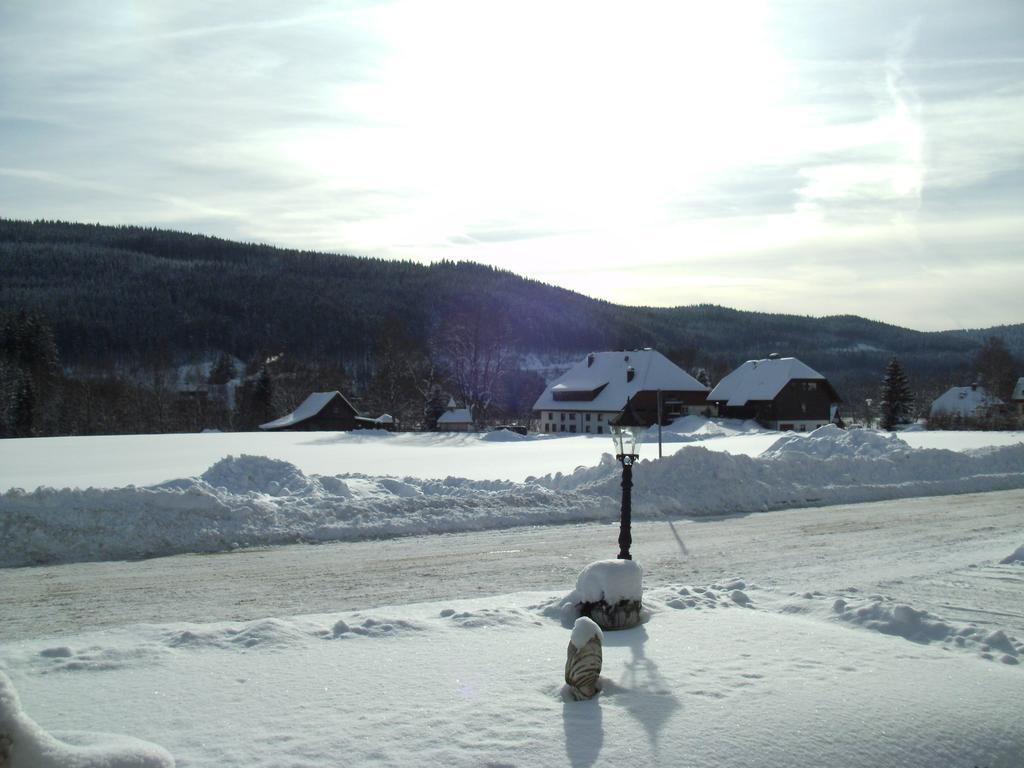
626, 428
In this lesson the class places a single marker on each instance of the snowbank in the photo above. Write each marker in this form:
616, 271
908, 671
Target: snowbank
255, 501
827, 466
25, 744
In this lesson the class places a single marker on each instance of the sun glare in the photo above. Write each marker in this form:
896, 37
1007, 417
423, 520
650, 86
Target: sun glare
569, 116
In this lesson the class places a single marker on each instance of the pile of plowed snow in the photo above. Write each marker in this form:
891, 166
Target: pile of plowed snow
253, 500
828, 466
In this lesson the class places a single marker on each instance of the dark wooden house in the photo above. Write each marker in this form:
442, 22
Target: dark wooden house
322, 411
780, 393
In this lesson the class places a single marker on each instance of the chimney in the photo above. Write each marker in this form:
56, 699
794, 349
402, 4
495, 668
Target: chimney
590, 359
630, 373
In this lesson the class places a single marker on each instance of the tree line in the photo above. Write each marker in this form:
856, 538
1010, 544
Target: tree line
996, 371
125, 305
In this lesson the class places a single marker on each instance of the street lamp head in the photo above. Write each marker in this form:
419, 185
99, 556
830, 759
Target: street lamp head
626, 429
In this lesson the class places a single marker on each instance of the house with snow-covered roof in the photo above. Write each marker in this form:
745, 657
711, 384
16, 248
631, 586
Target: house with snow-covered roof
599, 386
779, 392
972, 402
455, 419
322, 411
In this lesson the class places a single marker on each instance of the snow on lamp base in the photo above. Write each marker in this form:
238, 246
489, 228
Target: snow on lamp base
583, 660
609, 592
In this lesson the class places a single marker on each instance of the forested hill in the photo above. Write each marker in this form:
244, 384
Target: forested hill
121, 295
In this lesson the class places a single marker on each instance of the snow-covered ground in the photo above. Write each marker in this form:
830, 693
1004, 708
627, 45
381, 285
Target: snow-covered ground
119, 460
878, 635
881, 634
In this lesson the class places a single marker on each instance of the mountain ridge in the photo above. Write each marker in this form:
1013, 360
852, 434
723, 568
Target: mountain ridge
115, 294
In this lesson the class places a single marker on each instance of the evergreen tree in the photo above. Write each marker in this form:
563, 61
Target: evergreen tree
24, 409
897, 399
223, 370
260, 399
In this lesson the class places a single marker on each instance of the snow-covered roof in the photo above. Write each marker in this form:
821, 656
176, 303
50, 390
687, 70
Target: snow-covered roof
310, 407
964, 401
455, 416
600, 381
761, 380
1018, 391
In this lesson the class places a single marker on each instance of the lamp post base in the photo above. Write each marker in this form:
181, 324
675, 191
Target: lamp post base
624, 614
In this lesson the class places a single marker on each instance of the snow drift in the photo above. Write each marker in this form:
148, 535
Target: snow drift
250, 501
25, 744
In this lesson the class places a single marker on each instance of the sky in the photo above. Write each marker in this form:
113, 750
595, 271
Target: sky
810, 157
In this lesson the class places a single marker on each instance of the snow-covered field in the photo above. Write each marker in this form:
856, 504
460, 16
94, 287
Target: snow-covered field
119, 460
253, 500
880, 634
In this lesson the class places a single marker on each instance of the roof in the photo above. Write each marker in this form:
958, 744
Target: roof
455, 416
1018, 391
310, 407
964, 401
762, 380
599, 381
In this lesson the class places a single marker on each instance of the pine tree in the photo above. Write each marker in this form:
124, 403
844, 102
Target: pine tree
262, 402
24, 409
897, 399
223, 370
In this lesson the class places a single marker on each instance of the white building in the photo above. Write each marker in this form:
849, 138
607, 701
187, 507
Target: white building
598, 387
455, 419
971, 402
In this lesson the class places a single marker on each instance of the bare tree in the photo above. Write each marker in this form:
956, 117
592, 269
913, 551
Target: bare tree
476, 354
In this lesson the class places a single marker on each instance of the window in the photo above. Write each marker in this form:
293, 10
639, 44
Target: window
563, 419
551, 416
546, 427
572, 427
600, 417
600, 430
588, 417
786, 427
588, 427
563, 428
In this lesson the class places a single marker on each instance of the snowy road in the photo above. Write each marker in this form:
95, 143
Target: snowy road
900, 549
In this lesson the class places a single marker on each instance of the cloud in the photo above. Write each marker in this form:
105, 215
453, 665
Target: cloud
798, 154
